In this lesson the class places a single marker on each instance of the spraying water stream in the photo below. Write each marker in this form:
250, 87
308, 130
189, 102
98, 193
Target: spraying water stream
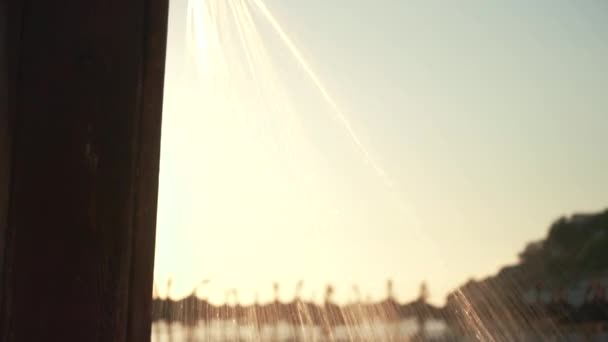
238, 77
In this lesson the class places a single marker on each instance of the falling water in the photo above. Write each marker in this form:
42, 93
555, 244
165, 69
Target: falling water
228, 47
236, 73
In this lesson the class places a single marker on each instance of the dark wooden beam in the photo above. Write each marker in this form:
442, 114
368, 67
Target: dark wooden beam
81, 90
10, 32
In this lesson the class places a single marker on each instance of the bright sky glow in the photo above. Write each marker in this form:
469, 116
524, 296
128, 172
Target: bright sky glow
349, 142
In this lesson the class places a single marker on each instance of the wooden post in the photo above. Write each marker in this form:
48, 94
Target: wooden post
81, 86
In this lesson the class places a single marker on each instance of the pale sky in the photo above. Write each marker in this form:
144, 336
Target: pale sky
489, 117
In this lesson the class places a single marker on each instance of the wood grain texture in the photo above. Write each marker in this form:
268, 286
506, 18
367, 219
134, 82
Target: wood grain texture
10, 34
84, 146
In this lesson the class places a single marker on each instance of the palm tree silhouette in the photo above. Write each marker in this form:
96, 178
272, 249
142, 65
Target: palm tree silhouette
332, 313
297, 311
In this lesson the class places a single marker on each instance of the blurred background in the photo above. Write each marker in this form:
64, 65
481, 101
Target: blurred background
383, 170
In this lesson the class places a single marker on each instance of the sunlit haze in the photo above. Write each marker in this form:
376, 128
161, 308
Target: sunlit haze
368, 140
